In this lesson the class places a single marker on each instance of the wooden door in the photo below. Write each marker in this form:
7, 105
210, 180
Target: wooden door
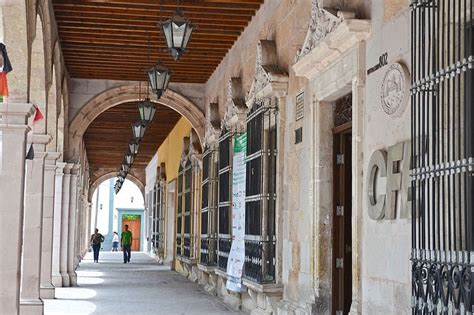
342, 224
134, 225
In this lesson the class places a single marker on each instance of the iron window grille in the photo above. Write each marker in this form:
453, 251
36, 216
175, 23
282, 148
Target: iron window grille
225, 198
160, 222
209, 202
260, 241
180, 212
442, 156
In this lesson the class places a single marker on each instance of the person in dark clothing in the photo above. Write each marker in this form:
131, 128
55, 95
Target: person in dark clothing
96, 240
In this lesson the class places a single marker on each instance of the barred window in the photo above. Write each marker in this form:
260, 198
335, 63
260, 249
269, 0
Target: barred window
442, 156
260, 193
225, 198
209, 208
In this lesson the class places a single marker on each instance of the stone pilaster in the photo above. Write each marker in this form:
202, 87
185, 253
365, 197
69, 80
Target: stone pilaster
65, 225
56, 278
71, 247
13, 127
30, 302
46, 287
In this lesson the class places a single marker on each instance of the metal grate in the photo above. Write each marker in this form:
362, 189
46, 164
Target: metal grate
442, 156
343, 110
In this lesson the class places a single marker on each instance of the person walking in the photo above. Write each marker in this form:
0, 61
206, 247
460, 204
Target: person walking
115, 242
96, 240
126, 243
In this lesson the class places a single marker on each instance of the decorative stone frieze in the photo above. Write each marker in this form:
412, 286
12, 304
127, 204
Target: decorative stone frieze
236, 108
328, 38
269, 79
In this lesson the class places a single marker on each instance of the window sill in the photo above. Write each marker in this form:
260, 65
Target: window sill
272, 288
207, 269
186, 260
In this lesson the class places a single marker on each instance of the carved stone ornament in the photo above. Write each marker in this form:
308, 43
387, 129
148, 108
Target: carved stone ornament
185, 152
195, 150
329, 37
323, 22
269, 79
236, 109
394, 92
213, 126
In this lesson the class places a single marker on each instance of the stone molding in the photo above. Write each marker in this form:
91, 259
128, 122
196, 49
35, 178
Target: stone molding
269, 79
236, 109
125, 93
329, 40
15, 115
206, 269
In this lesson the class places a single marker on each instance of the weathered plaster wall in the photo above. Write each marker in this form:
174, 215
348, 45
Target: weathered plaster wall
386, 275
286, 22
83, 90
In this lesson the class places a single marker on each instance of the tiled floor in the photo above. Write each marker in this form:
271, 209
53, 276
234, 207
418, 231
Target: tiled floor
141, 287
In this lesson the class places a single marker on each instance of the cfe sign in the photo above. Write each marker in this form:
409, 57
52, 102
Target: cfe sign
389, 183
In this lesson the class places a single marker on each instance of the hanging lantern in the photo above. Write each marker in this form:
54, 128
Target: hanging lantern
133, 146
125, 167
147, 111
138, 130
177, 31
129, 158
158, 78
120, 179
122, 173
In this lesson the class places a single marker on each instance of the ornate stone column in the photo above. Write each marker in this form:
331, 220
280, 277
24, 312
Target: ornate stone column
13, 127
71, 247
46, 287
30, 302
65, 225
56, 278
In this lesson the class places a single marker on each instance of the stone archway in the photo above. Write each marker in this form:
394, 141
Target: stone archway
127, 93
110, 175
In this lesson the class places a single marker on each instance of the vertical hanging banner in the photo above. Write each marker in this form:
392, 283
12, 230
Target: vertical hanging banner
235, 263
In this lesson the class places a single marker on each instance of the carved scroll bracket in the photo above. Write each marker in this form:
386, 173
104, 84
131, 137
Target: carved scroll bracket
236, 109
269, 79
213, 126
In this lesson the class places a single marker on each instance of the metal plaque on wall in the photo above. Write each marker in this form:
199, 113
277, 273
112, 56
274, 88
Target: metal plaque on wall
395, 93
299, 106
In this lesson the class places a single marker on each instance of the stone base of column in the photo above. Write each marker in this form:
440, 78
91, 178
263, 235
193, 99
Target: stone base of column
65, 279
31, 307
73, 279
57, 280
47, 292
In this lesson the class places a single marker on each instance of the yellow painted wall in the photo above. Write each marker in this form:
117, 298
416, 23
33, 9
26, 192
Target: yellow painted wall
170, 153
170, 150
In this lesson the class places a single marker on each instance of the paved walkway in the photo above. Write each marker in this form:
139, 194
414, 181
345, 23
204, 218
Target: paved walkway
141, 287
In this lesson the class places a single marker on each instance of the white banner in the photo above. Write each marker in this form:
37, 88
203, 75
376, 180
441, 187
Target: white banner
235, 263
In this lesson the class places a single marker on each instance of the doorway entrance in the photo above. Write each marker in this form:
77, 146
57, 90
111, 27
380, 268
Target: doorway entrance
342, 204
134, 225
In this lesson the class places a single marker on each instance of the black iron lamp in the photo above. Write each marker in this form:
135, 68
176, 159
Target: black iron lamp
147, 111
122, 173
138, 130
125, 168
158, 78
129, 158
177, 31
133, 146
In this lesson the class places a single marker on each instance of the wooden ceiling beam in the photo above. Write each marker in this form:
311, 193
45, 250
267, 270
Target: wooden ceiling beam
185, 5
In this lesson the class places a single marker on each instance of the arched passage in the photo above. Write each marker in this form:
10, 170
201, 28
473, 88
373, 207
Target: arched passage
110, 175
127, 93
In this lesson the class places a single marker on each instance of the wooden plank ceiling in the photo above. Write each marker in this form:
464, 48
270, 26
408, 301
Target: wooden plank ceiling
108, 135
108, 39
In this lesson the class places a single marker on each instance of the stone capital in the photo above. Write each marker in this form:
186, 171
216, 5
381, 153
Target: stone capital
60, 168
15, 115
52, 157
68, 168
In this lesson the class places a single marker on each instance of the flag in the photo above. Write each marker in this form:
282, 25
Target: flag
38, 115
3, 83
7, 66
31, 153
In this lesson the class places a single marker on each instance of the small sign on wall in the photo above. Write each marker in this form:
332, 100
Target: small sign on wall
299, 106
